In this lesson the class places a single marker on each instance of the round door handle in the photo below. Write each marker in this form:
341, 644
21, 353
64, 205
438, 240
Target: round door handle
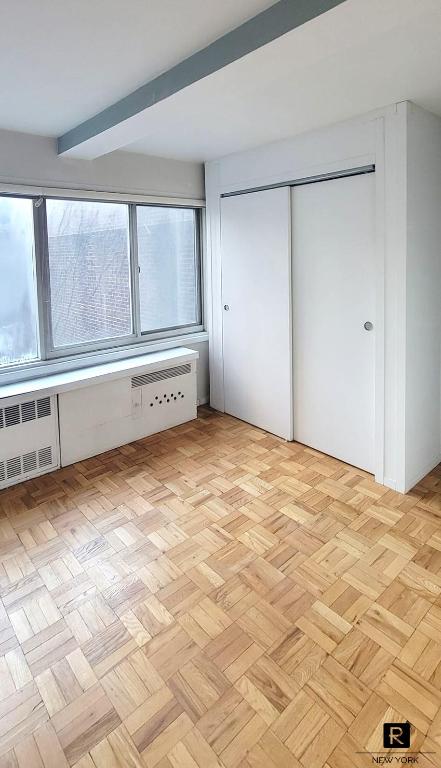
368, 326
226, 307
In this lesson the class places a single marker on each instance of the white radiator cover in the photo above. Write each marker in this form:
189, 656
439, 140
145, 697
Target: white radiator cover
28, 438
107, 415
70, 416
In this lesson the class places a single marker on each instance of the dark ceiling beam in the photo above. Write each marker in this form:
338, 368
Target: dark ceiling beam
280, 18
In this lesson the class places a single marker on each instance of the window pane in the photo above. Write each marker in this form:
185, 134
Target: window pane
18, 293
168, 278
89, 269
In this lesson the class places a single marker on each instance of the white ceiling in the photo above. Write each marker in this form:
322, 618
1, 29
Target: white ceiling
67, 61
62, 62
362, 55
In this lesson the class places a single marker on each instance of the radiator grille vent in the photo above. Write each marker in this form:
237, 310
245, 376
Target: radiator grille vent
167, 373
23, 412
44, 457
28, 411
13, 467
43, 407
20, 466
30, 462
12, 415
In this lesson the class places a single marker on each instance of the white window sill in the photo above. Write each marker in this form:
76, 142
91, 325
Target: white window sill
85, 377
51, 377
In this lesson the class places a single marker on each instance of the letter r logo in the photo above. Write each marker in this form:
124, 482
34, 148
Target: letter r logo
396, 735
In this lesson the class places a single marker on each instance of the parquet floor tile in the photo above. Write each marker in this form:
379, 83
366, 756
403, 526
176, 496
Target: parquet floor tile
213, 597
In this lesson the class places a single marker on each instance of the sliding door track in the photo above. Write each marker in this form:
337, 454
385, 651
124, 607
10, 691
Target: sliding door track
306, 180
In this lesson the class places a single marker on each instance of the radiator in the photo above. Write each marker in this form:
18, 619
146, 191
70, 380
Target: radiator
28, 438
107, 415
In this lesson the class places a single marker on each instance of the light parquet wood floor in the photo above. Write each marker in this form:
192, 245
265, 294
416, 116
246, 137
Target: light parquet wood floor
214, 596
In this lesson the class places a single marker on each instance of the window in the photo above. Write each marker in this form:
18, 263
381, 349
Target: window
168, 268
97, 275
89, 269
18, 291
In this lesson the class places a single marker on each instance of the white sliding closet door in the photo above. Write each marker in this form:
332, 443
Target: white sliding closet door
256, 298
333, 237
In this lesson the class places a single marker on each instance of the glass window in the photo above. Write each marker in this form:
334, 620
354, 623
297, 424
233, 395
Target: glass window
18, 292
168, 267
84, 265
89, 267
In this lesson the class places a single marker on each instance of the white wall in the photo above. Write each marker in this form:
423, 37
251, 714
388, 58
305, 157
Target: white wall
202, 375
423, 294
380, 138
33, 161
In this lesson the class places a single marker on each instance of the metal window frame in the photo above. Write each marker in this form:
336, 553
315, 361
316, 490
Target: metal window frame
36, 268
47, 351
55, 352
199, 239
198, 325
136, 302
38, 215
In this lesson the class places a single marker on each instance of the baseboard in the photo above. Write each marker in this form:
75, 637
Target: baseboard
203, 401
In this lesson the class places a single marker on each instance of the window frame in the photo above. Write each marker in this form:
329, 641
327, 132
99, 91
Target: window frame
198, 325
53, 352
38, 283
48, 353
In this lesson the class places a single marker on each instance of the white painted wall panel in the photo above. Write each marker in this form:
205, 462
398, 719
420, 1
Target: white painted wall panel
26, 159
423, 294
339, 146
202, 371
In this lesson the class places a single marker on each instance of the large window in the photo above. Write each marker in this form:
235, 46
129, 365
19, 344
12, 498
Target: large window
81, 275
